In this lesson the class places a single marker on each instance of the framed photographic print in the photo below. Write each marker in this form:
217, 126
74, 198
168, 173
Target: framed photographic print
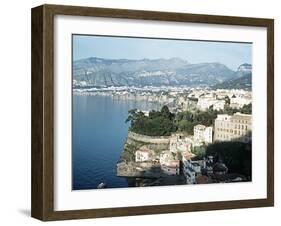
141, 112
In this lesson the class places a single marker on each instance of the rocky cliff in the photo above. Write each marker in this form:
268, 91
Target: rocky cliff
127, 166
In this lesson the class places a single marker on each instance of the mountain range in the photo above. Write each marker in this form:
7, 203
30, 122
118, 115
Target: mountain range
100, 72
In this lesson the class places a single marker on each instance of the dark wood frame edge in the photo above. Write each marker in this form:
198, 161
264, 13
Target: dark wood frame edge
42, 197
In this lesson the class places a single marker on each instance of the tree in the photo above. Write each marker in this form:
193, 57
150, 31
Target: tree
236, 155
199, 152
227, 100
186, 126
165, 112
156, 124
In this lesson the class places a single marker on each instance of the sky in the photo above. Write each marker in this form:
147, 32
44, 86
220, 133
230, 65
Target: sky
229, 53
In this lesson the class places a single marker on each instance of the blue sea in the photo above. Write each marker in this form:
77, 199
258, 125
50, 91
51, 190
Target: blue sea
99, 132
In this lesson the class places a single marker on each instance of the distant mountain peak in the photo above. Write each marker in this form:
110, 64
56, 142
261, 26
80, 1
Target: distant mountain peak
242, 79
245, 68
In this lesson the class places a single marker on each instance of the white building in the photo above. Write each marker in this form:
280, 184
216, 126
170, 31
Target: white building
239, 101
219, 105
202, 134
205, 102
143, 155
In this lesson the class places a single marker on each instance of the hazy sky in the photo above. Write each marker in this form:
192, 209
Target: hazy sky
230, 54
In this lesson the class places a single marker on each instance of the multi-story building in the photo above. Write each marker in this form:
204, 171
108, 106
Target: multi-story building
202, 134
233, 127
190, 168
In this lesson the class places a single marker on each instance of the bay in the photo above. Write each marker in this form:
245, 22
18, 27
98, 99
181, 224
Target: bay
99, 132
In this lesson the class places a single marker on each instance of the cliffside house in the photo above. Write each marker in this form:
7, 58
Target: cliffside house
143, 155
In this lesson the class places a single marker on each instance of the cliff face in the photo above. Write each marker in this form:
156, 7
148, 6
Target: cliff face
139, 169
127, 166
136, 141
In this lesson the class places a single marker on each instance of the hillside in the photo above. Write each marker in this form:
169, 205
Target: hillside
244, 82
154, 72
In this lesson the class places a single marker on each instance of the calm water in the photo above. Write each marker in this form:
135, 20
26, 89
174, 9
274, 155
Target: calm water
99, 133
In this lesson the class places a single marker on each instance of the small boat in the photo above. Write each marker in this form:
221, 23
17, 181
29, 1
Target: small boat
102, 185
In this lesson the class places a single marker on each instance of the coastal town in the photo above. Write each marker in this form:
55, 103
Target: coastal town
167, 112
181, 157
176, 98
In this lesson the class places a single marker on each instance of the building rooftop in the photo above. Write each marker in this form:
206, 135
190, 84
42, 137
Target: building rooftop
172, 163
199, 126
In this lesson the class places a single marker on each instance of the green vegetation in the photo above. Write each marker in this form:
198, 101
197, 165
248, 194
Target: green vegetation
187, 120
236, 155
163, 123
199, 151
246, 109
156, 124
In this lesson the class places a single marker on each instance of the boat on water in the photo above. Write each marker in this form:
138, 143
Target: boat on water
102, 185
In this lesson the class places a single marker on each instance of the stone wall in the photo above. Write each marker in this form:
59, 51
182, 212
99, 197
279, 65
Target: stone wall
149, 139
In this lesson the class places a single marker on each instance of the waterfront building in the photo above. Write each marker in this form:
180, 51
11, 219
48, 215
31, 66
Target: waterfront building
233, 127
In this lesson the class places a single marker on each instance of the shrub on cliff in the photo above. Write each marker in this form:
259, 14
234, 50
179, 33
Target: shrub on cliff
157, 123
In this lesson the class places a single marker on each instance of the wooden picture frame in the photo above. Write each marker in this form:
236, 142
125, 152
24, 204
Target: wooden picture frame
43, 112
